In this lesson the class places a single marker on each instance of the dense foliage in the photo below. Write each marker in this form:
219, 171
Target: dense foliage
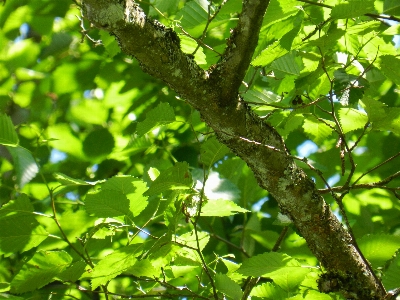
113, 186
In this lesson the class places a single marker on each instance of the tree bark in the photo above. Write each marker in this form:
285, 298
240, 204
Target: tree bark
214, 93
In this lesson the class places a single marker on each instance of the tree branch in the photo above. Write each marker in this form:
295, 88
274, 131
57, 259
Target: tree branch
214, 93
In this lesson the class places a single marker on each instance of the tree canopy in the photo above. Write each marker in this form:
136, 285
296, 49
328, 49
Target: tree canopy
199, 149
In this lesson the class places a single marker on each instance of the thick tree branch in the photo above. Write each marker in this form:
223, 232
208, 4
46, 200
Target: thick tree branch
214, 93
229, 73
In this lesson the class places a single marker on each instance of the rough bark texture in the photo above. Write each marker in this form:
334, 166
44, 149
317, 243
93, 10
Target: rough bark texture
214, 93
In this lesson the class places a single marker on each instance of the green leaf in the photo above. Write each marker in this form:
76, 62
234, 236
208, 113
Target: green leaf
352, 119
279, 10
175, 178
383, 118
162, 114
109, 43
266, 264
289, 63
188, 45
107, 203
143, 268
390, 66
269, 291
66, 180
391, 278
378, 248
24, 163
114, 264
221, 208
194, 16
133, 188
317, 130
98, 144
261, 97
189, 239
73, 272
212, 151
391, 7
352, 9
228, 287
269, 54
8, 135
98, 112
21, 232
40, 270
64, 140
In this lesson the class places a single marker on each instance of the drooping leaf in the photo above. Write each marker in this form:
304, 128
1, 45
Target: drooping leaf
176, 177
19, 229
24, 164
8, 135
66, 180
220, 208
40, 270
378, 248
228, 287
107, 203
161, 115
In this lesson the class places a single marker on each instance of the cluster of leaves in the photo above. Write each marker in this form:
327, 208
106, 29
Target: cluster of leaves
112, 185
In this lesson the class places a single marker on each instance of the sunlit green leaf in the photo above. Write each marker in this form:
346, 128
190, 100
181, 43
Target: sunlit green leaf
269, 291
269, 54
352, 119
352, 8
133, 188
221, 208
